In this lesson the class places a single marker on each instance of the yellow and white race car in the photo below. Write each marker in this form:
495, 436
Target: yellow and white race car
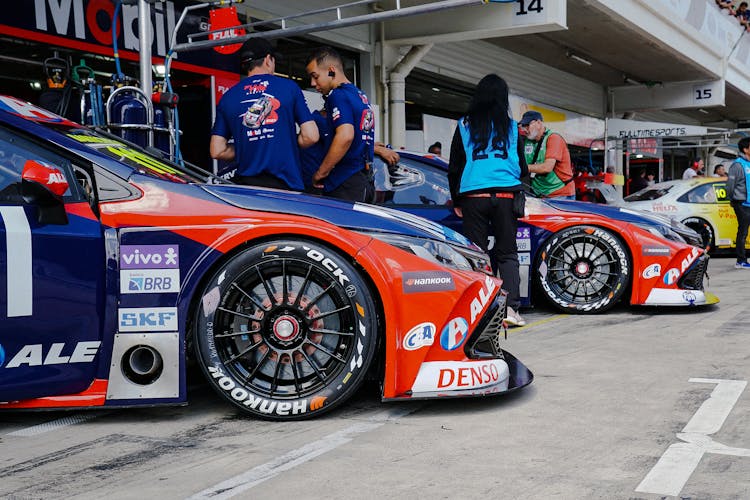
701, 203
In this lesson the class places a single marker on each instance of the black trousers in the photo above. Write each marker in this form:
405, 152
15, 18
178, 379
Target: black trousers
743, 221
358, 187
482, 214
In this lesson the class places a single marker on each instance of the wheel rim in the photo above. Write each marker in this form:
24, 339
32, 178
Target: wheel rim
286, 327
583, 269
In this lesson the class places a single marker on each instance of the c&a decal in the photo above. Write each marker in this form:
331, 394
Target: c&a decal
56, 354
422, 335
264, 405
455, 375
652, 271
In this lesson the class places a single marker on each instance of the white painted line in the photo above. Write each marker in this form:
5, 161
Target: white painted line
19, 272
714, 411
679, 461
255, 476
54, 425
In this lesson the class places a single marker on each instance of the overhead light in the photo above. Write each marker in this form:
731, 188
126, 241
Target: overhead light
35, 85
577, 58
703, 111
630, 81
159, 70
435, 89
639, 156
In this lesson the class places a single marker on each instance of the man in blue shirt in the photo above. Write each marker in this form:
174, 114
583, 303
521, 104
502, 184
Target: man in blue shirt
346, 170
261, 113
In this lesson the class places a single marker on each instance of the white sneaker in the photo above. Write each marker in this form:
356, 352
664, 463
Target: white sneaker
513, 318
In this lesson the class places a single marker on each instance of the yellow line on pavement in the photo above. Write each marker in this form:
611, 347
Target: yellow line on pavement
538, 322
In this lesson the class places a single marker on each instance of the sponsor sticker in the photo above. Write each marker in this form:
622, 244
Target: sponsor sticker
524, 259
523, 233
652, 250
454, 375
689, 297
422, 335
147, 319
150, 281
454, 334
57, 354
427, 281
652, 271
479, 302
671, 276
149, 257
523, 244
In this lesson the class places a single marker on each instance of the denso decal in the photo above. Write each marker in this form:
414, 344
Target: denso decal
652, 271
149, 257
150, 281
484, 296
147, 319
260, 404
453, 375
422, 335
671, 276
454, 334
650, 250
56, 354
427, 281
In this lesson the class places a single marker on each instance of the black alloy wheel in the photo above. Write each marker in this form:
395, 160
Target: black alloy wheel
286, 330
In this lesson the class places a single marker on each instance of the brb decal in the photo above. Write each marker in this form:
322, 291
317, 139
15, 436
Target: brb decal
150, 281
422, 335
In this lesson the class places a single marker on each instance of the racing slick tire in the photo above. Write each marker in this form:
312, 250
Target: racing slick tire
286, 330
584, 269
704, 229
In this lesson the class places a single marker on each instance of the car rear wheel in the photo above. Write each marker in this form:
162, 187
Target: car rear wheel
286, 330
703, 228
584, 268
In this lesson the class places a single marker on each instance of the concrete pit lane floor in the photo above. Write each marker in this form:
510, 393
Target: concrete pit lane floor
635, 403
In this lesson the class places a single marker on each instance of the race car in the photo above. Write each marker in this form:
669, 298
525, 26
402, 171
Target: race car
258, 112
700, 203
115, 265
581, 257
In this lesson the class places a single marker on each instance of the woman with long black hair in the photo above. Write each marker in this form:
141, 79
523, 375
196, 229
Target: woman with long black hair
485, 170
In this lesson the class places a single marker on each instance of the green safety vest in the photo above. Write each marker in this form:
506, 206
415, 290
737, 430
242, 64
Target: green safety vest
541, 184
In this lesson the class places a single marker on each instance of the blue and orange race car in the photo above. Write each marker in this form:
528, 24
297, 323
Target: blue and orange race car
116, 264
581, 257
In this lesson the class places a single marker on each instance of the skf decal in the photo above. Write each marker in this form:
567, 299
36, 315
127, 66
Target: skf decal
428, 281
451, 375
652, 271
480, 301
150, 281
57, 354
258, 403
148, 319
454, 334
422, 335
149, 257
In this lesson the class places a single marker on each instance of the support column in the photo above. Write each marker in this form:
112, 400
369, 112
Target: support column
145, 35
397, 93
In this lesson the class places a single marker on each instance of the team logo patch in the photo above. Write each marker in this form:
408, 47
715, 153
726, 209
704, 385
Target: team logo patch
671, 276
454, 334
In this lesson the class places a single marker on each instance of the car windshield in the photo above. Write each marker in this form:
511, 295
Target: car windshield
652, 193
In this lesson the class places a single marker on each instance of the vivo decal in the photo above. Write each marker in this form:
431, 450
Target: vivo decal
149, 257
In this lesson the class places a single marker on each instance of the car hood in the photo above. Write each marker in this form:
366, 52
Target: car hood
624, 214
354, 216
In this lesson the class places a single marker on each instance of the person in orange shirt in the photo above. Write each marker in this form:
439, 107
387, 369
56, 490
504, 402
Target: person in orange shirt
548, 158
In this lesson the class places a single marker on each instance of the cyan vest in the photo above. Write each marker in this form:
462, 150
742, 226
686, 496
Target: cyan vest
491, 168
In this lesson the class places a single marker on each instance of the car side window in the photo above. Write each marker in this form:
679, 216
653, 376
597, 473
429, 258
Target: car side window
700, 194
410, 182
15, 151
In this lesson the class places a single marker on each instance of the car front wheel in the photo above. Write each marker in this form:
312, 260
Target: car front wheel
286, 329
584, 269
